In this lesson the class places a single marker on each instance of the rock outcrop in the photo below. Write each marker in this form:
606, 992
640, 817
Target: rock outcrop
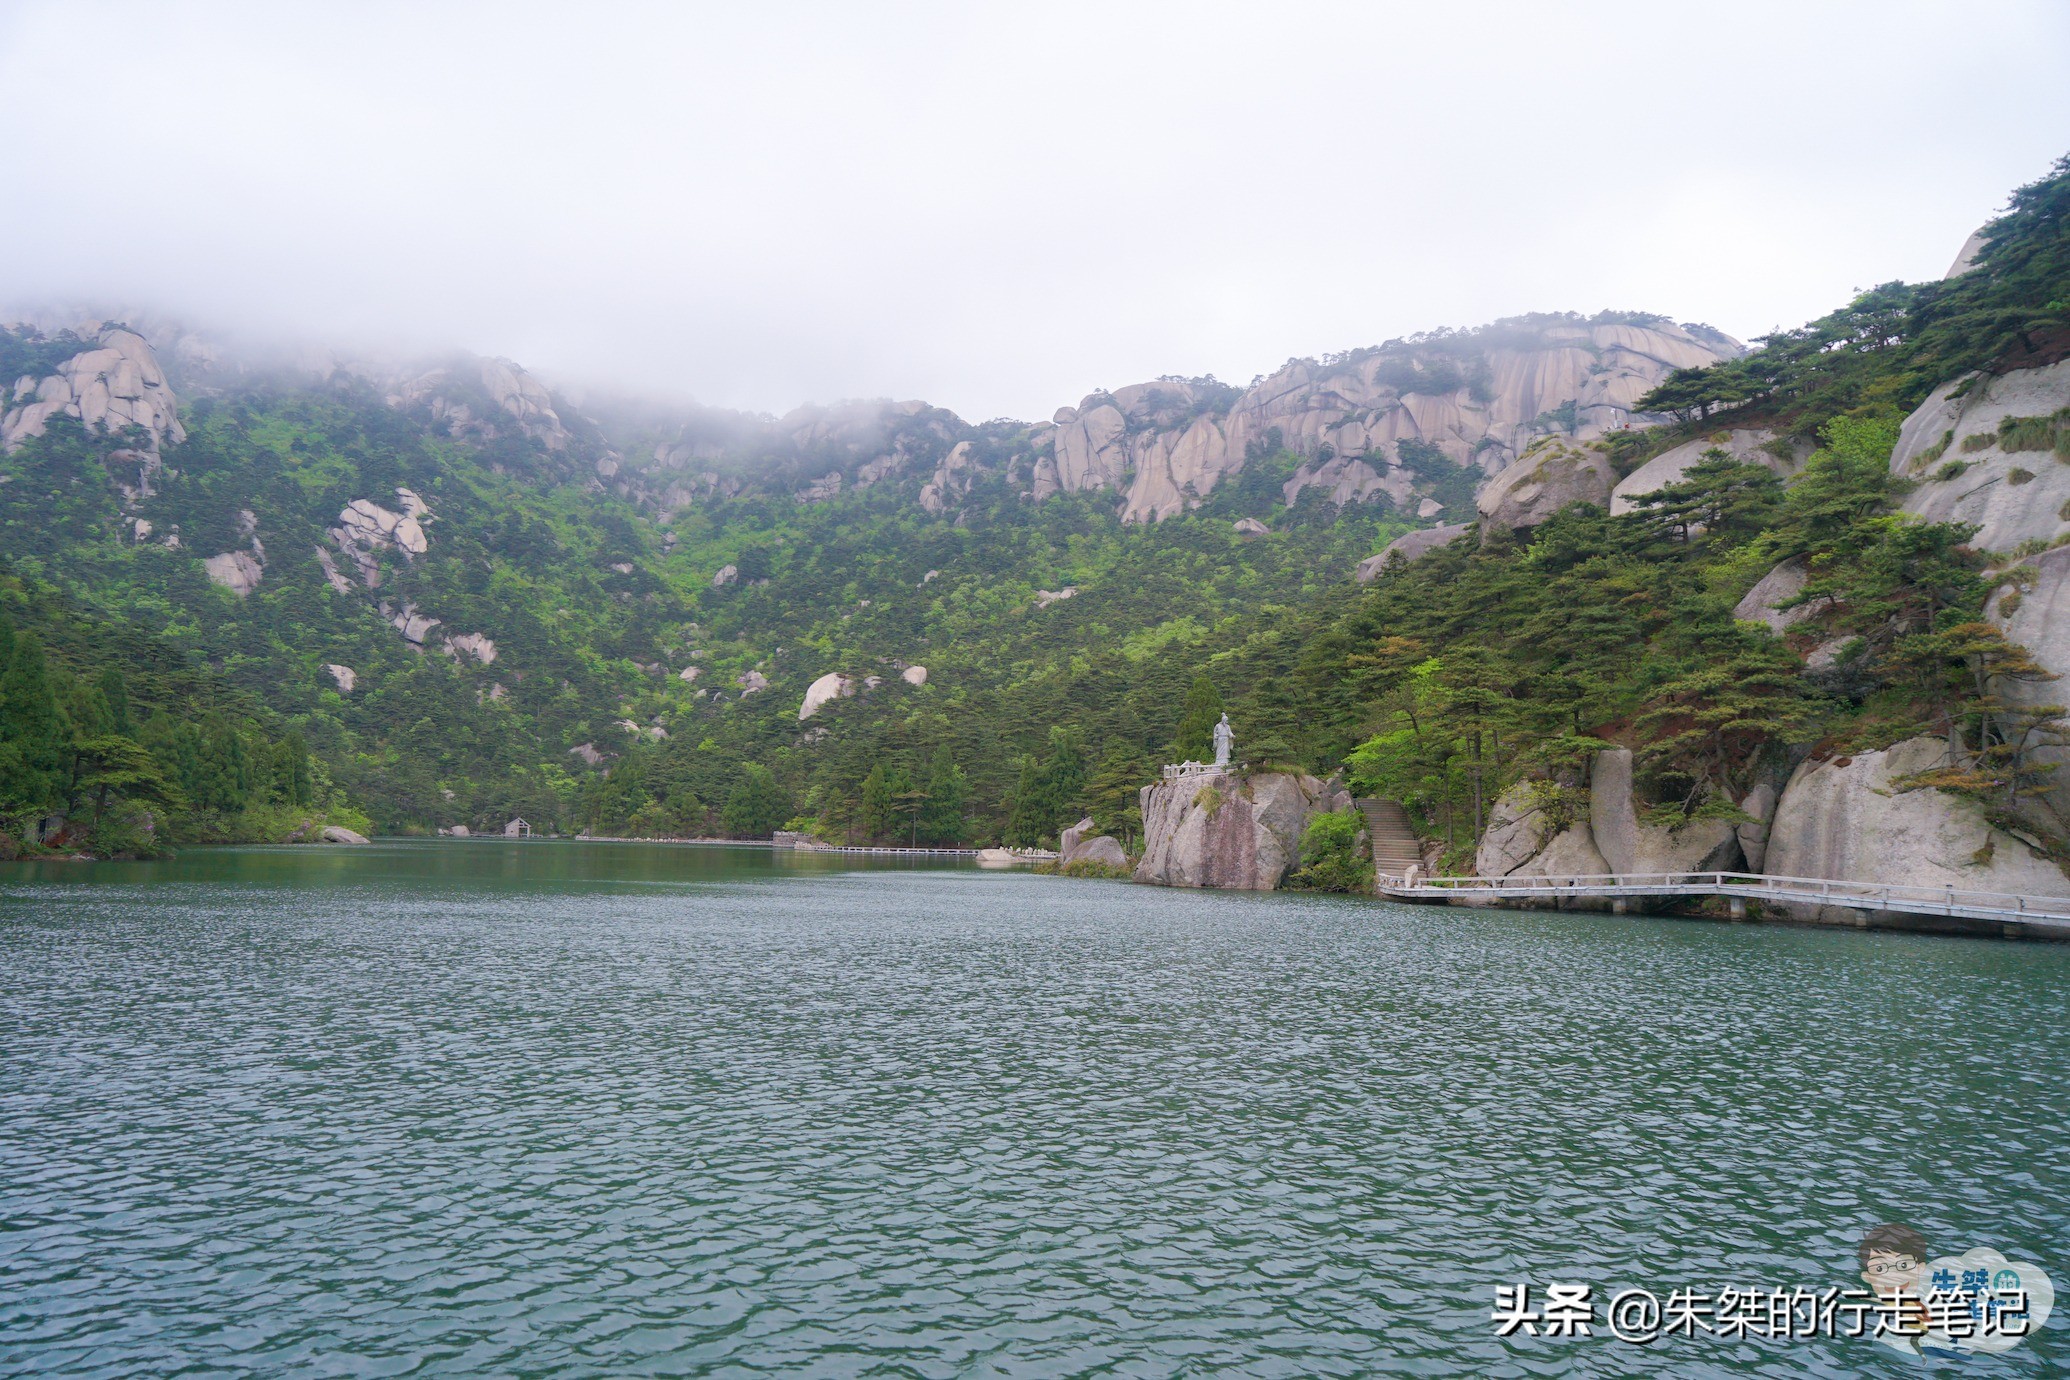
1847, 819
1779, 586
1480, 398
952, 480
338, 833
1349, 479
1221, 829
479, 398
237, 571
481, 648
2035, 613
1751, 447
116, 385
365, 529
914, 675
1080, 844
1526, 838
824, 691
1470, 398
1546, 478
414, 626
1410, 546
345, 677
1984, 449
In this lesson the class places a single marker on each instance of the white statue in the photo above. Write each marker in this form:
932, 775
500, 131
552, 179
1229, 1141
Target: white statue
1225, 737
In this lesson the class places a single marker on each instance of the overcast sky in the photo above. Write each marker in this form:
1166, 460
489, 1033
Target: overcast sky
997, 208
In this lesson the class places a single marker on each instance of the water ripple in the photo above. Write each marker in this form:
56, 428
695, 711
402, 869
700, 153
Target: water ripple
913, 1123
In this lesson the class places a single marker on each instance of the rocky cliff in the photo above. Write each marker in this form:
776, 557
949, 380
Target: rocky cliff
1232, 830
1479, 398
1535, 832
1384, 422
1853, 819
112, 386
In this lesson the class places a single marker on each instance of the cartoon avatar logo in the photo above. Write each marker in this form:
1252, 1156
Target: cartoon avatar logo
1977, 1301
1893, 1258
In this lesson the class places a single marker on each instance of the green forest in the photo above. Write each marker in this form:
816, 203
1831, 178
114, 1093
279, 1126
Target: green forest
1067, 655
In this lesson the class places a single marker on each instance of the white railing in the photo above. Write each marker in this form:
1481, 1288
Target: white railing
1917, 900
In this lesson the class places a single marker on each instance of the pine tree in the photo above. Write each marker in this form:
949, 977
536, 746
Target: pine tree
291, 784
34, 767
1113, 794
1197, 718
876, 814
1025, 821
1059, 783
758, 805
941, 815
115, 694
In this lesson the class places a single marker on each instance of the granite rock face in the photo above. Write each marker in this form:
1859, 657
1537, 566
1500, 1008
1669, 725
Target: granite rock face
366, 529
1749, 447
2035, 613
1080, 844
1166, 445
1221, 829
1953, 447
1546, 478
1847, 819
1521, 840
479, 399
117, 384
1777, 587
237, 571
1411, 546
824, 691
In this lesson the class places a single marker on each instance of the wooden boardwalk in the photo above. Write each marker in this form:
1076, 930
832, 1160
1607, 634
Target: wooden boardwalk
2044, 914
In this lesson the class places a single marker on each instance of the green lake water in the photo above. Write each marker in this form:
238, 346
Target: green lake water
493, 1108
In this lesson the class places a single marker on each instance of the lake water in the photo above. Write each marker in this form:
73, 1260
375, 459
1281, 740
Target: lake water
563, 1109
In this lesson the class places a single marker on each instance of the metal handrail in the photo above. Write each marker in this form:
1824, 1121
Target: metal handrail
1943, 899
1712, 880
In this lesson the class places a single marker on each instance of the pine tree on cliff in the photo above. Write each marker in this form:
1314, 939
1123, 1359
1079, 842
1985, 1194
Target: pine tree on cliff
1197, 719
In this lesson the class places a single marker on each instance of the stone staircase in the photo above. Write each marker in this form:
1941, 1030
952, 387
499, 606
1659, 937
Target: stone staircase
1395, 846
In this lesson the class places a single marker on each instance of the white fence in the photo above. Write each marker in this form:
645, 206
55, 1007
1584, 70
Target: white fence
2052, 912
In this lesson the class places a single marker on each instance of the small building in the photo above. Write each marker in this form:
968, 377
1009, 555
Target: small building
517, 829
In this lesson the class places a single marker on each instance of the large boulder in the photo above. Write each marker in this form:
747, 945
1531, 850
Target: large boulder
1777, 587
1221, 829
1548, 477
1105, 850
824, 691
1955, 446
1846, 819
1521, 840
338, 833
1518, 827
1752, 447
237, 571
1409, 546
1080, 843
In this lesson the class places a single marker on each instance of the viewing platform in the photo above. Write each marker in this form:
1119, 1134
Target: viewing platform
2040, 915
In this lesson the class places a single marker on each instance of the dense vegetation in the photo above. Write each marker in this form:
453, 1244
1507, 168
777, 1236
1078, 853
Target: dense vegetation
122, 737
1066, 655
